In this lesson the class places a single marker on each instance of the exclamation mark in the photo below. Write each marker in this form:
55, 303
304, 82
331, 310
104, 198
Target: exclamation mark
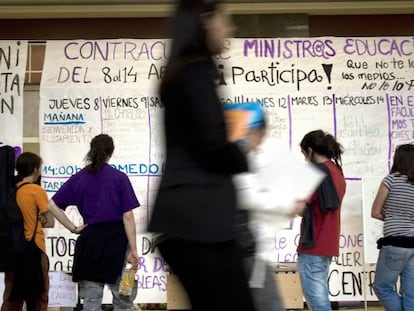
328, 70
221, 75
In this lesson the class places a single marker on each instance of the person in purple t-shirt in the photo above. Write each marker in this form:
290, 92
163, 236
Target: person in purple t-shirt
105, 198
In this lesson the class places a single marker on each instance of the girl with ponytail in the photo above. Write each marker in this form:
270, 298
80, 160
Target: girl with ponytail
102, 147
105, 199
320, 228
324, 144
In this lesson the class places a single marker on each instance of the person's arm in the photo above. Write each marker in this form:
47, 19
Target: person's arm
298, 208
47, 220
129, 224
63, 219
377, 210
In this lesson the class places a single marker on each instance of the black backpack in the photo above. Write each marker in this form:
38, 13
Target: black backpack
12, 238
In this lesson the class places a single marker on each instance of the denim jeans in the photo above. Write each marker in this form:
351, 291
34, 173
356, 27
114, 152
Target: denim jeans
313, 272
394, 262
92, 293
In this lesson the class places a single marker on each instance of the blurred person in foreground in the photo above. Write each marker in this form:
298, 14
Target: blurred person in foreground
105, 199
321, 222
194, 211
394, 204
258, 207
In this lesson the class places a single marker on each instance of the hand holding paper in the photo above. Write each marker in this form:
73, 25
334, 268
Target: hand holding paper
288, 180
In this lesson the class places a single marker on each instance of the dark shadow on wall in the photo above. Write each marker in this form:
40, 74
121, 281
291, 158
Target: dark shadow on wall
361, 25
255, 25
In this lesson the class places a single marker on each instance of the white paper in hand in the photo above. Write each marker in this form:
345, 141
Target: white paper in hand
285, 177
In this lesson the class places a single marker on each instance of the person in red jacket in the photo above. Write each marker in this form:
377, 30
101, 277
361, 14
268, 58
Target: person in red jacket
321, 222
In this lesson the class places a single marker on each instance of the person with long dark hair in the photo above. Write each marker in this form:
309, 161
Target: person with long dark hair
394, 204
194, 211
105, 199
321, 222
28, 281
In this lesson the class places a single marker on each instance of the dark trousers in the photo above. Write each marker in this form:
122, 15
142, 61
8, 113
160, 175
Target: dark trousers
41, 302
212, 274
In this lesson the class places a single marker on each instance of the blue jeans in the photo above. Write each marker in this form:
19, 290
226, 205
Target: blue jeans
394, 262
92, 293
313, 272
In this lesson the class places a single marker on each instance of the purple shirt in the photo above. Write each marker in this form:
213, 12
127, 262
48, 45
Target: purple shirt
103, 197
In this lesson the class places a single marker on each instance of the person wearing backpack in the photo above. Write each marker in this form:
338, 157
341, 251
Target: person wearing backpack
28, 280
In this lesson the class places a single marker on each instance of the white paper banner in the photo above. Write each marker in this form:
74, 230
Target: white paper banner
359, 89
13, 55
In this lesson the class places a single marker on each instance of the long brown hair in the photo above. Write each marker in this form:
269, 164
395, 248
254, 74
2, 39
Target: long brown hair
324, 144
404, 161
101, 149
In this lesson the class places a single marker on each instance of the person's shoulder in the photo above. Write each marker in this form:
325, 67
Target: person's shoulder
30, 187
197, 69
388, 180
395, 177
334, 170
78, 175
112, 171
26, 185
331, 166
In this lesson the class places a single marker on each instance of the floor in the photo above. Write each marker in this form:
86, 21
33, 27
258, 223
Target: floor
142, 307
371, 306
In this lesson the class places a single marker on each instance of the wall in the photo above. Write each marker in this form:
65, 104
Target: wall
253, 25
